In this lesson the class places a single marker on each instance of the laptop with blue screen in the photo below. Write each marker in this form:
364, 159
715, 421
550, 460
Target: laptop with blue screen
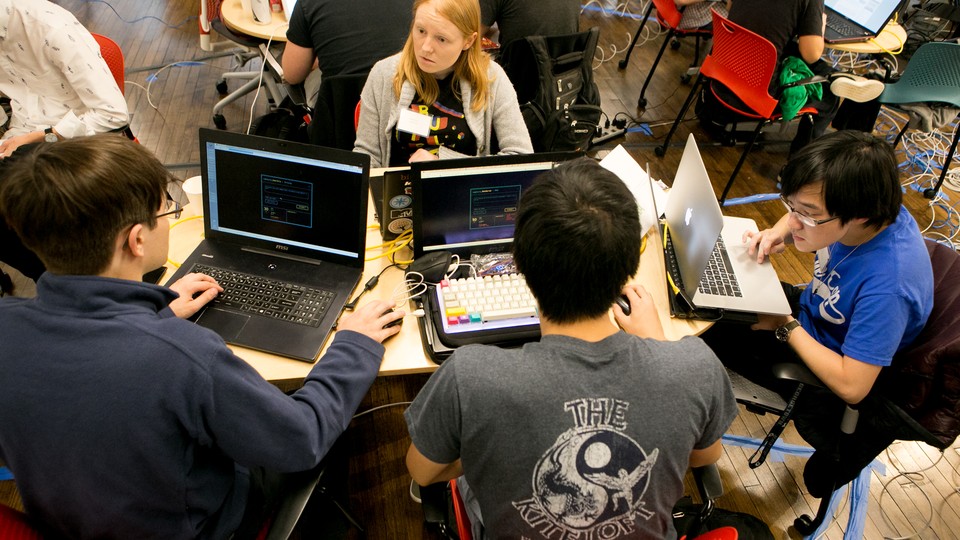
468, 207
284, 234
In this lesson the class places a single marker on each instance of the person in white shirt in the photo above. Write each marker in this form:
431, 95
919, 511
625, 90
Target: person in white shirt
51, 69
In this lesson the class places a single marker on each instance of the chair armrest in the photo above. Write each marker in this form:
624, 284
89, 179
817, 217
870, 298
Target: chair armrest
297, 489
796, 372
708, 481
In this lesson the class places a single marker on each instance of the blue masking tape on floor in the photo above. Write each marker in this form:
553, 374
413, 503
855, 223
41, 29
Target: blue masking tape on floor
859, 487
605, 11
759, 197
5, 474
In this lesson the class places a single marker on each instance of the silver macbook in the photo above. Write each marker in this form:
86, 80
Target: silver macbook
700, 232
850, 21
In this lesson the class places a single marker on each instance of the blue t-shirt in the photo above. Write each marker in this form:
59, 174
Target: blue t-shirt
869, 301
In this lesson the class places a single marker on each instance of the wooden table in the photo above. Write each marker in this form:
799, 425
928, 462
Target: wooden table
236, 19
404, 352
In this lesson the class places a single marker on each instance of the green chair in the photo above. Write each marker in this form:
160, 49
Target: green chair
932, 76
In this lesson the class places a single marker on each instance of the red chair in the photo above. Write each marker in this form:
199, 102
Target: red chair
113, 56
668, 16
14, 525
744, 63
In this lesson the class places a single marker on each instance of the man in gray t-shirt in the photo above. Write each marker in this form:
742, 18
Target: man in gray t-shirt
589, 432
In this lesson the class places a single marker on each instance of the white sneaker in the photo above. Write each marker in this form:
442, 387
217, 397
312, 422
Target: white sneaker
415, 492
856, 88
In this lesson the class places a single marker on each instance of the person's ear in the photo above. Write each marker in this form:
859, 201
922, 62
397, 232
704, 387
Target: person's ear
134, 241
470, 40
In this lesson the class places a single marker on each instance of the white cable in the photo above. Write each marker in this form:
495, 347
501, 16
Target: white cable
263, 67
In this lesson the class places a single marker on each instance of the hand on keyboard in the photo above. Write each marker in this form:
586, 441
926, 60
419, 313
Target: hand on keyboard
195, 291
373, 319
643, 320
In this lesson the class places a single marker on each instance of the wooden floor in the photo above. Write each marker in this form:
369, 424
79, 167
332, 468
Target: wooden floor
171, 89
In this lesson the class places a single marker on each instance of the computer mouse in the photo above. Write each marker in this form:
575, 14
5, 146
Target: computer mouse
391, 324
624, 304
432, 266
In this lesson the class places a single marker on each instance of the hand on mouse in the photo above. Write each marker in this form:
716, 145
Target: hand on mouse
195, 291
375, 320
643, 320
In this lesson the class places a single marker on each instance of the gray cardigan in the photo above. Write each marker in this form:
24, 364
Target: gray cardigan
380, 111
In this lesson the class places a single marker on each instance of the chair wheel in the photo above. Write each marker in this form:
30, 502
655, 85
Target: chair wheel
660, 151
804, 525
222, 87
642, 102
219, 121
685, 78
622, 64
675, 44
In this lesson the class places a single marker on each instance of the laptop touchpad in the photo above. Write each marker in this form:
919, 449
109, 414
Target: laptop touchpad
225, 323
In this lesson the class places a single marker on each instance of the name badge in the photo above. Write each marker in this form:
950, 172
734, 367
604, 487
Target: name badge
415, 123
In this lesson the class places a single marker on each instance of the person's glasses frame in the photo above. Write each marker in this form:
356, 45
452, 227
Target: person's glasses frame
805, 219
172, 208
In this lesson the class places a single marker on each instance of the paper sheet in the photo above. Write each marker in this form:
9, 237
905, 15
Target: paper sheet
619, 162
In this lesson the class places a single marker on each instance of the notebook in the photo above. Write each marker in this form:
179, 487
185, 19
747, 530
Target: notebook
857, 20
468, 207
696, 226
290, 220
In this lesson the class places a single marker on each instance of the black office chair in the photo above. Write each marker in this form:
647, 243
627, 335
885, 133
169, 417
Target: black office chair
333, 114
916, 398
443, 509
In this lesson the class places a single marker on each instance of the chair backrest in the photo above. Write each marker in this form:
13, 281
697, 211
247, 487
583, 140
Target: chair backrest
113, 56
933, 75
924, 380
335, 112
744, 62
14, 525
668, 13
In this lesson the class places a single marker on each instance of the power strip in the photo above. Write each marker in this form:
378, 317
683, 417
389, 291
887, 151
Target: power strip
608, 134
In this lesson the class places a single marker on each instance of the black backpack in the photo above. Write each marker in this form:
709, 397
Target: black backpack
289, 122
553, 76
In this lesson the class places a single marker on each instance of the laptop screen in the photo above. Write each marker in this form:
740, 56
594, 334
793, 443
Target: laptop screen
287, 197
469, 206
870, 14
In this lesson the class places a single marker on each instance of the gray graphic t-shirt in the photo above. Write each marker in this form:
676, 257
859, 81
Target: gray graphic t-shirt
566, 439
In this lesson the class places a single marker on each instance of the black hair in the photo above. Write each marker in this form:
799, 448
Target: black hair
577, 240
858, 173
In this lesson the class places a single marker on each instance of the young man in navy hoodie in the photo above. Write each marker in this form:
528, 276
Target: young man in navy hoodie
118, 418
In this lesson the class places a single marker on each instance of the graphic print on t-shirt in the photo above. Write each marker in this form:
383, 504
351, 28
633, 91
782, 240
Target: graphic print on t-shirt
591, 482
448, 126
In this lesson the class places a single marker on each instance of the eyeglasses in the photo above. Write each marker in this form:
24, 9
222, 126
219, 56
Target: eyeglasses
172, 208
805, 219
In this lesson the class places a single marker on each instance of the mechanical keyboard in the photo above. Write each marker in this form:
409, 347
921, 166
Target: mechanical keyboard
257, 295
491, 309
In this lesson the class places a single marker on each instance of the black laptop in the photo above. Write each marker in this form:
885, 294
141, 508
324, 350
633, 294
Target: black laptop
285, 230
468, 207
850, 21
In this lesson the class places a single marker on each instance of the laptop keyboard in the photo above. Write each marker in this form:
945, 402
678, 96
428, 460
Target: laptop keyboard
842, 27
267, 297
719, 279
471, 304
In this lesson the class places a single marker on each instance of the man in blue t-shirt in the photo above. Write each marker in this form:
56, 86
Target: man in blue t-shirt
872, 286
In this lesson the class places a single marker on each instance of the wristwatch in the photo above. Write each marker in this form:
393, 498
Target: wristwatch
49, 135
783, 332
